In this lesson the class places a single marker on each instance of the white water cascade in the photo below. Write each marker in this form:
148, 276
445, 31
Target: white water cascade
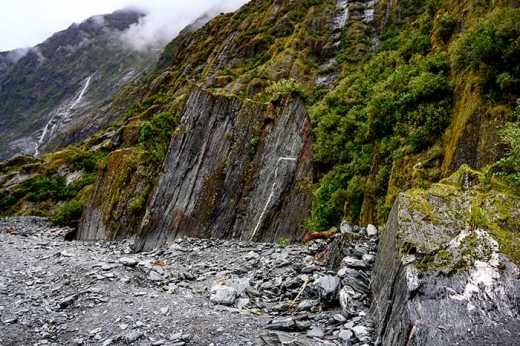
59, 116
271, 195
342, 16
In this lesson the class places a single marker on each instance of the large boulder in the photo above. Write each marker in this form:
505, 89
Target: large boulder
446, 272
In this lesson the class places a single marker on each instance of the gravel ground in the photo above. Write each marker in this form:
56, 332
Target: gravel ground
193, 292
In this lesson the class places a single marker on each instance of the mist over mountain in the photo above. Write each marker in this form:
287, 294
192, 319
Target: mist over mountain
49, 89
52, 93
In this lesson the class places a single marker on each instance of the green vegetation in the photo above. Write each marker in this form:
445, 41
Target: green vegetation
385, 126
492, 48
509, 166
283, 242
381, 129
155, 135
396, 104
68, 214
44, 191
284, 87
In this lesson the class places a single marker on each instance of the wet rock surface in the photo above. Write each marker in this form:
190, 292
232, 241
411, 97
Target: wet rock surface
236, 169
443, 280
192, 292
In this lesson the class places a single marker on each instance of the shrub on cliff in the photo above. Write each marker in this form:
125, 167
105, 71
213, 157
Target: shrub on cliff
509, 166
68, 214
388, 109
155, 135
492, 48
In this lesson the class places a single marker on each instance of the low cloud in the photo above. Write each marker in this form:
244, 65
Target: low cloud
15, 55
165, 20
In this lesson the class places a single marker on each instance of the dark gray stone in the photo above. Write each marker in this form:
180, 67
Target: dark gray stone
473, 305
202, 192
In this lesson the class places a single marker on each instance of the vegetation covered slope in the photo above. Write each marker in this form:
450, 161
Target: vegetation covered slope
432, 95
39, 83
400, 95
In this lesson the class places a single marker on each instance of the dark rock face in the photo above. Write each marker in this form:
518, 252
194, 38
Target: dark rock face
235, 169
438, 281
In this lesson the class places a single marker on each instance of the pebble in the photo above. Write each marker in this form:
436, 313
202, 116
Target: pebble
346, 335
154, 276
294, 285
128, 262
360, 332
223, 295
132, 336
327, 287
372, 231
346, 228
315, 332
351, 262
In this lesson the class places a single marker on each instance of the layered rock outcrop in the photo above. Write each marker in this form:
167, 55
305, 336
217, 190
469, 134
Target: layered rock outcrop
235, 169
446, 272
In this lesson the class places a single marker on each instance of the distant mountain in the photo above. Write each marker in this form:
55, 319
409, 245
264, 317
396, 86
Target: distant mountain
51, 93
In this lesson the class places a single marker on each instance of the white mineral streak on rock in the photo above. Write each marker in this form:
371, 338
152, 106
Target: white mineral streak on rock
485, 274
271, 195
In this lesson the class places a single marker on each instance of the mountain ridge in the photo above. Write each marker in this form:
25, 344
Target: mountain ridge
44, 81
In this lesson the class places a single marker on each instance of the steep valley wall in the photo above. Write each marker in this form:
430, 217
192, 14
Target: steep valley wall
234, 169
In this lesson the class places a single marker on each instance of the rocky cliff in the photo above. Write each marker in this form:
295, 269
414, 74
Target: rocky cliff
234, 169
447, 266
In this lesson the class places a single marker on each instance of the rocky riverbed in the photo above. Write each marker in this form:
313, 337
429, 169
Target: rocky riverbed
190, 292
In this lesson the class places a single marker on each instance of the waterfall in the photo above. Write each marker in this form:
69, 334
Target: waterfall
342, 16
59, 116
85, 87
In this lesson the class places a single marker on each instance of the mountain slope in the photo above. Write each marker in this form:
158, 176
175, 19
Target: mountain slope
393, 103
50, 91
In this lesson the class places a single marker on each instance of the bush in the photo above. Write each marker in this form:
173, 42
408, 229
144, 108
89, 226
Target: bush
6, 201
86, 160
155, 135
68, 214
492, 48
42, 189
445, 27
284, 87
509, 166
398, 102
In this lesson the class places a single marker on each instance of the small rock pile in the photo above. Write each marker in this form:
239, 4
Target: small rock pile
315, 316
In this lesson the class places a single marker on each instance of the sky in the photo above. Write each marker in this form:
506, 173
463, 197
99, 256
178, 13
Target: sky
25, 23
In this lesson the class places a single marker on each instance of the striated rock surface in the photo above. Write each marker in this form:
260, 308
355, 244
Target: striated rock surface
235, 169
445, 272
119, 194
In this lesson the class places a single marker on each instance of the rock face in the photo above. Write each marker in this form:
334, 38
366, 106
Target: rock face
445, 272
235, 169
119, 192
